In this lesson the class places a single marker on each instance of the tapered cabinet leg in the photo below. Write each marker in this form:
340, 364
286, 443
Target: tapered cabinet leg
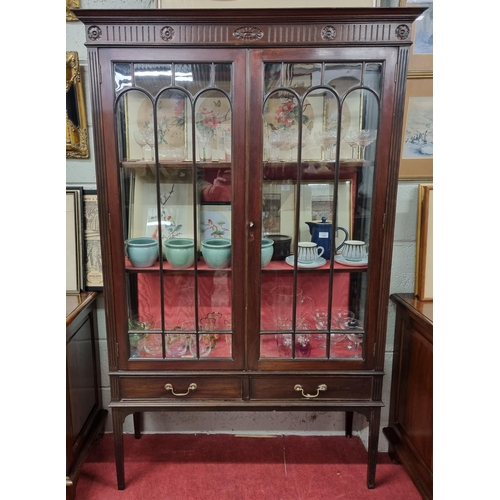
118, 438
137, 424
373, 436
348, 423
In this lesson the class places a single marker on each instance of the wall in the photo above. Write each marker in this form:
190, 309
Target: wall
82, 173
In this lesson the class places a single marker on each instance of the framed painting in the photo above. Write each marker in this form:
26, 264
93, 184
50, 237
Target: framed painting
77, 138
74, 240
215, 221
317, 201
424, 260
417, 143
92, 242
176, 206
172, 114
421, 52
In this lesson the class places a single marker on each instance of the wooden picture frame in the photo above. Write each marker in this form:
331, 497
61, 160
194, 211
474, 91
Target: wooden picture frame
424, 260
417, 141
215, 221
176, 205
421, 52
77, 138
74, 240
92, 242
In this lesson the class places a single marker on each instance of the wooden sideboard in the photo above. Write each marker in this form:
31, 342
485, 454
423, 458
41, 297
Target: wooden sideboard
410, 420
85, 416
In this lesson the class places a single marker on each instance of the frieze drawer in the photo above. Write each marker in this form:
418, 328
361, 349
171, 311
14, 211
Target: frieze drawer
180, 388
311, 388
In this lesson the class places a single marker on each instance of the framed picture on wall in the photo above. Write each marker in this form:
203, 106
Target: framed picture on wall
421, 52
424, 264
74, 240
418, 141
92, 242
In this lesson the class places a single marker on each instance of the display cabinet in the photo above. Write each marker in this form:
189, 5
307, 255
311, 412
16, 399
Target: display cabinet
247, 165
410, 429
85, 416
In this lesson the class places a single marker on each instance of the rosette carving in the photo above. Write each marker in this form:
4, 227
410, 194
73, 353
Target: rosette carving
328, 33
402, 32
248, 33
167, 33
94, 33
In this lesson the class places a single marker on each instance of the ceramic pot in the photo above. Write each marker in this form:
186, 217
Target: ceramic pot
282, 244
179, 252
267, 249
142, 252
216, 252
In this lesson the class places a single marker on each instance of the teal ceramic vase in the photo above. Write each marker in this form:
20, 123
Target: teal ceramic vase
216, 252
267, 248
142, 252
179, 252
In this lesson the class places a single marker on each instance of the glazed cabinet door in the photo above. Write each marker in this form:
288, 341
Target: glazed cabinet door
174, 174
319, 175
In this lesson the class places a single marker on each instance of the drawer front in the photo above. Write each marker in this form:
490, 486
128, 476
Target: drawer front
194, 387
296, 387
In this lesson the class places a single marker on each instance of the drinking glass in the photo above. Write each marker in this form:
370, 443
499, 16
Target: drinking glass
176, 344
149, 137
139, 138
277, 139
328, 140
205, 146
364, 138
342, 317
350, 138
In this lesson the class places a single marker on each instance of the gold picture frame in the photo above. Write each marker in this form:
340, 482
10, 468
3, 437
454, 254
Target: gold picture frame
421, 52
71, 4
77, 144
424, 261
417, 143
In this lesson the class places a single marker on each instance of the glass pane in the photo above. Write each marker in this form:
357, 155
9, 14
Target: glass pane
123, 76
318, 174
176, 195
223, 77
152, 77
301, 76
193, 77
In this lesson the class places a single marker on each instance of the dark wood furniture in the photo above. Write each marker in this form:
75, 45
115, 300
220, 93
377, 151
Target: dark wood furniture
85, 416
237, 76
410, 421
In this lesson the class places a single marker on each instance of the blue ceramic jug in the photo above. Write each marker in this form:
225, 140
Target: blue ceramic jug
321, 234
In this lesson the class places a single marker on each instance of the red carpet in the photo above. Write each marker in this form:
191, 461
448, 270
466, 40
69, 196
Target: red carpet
227, 467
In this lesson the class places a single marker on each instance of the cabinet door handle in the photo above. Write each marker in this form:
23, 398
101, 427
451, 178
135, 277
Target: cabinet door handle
321, 387
170, 387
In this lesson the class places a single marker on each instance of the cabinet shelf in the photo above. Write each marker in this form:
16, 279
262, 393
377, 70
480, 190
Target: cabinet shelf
273, 266
187, 164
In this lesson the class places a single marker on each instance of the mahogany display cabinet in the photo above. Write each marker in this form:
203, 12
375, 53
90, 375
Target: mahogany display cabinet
223, 139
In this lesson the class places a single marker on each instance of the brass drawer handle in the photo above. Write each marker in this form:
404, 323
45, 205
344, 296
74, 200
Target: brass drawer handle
170, 387
321, 387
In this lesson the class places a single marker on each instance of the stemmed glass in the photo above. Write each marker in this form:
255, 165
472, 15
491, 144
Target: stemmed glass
364, 138
291, 141
139, 138
350, 138
328, 140
277, 138
149, 137
356, 339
